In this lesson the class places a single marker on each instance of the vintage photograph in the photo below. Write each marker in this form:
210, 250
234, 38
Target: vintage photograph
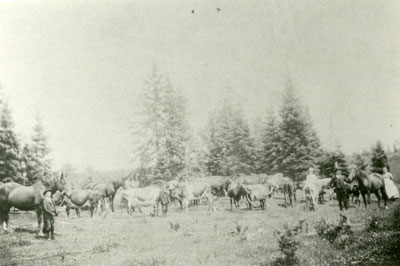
199, 132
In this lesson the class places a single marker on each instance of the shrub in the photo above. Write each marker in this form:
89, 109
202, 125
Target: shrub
288, 244
339, 235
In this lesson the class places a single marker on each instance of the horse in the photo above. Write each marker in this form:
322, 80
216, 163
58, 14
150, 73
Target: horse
135, 198
108, 189
26, 198
289, 191
80, 197
236, 192
367, 184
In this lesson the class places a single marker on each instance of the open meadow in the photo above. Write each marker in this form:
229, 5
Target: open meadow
199, 237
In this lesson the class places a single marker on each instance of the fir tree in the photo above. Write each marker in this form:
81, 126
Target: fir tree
175, 132
298, 147
379, 158
231, 149
270, 139
150, 131
10, 166
330, 161
35, 156
162, 131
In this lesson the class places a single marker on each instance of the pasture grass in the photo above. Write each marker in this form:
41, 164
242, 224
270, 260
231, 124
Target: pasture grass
199, 237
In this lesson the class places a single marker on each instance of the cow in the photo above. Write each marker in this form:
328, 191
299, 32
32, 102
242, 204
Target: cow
151, 196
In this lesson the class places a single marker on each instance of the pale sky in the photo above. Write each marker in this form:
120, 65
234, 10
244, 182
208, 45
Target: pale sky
82, 65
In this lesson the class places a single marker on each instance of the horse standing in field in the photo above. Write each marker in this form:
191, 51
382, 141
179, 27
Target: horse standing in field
76, 199
26, 198
367, 184
108, 189
236, 192
289, 191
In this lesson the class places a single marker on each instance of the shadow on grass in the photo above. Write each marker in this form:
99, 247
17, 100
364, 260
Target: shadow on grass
25, 230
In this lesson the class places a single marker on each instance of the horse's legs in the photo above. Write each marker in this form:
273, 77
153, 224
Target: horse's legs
364, 199
369, 199
92, 207
112, 202
39, 213
384, 196
231, 203
284, 195
4, 218
78, 212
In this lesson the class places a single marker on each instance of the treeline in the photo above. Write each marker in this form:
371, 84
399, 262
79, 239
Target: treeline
286, 142
22, 163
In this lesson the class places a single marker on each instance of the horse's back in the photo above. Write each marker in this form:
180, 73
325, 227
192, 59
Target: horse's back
25, 198
376, 181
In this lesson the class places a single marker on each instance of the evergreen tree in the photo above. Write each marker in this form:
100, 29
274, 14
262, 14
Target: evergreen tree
35, 156
298, 147
175, 133
231, 149
150, 130
163, 130
330, 161
359, 161
270, 144
379, 158
10, 166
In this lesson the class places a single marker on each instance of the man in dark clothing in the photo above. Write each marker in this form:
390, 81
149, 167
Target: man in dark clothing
339, 183
49, 211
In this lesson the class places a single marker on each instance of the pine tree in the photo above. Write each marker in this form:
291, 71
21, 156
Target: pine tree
10, 166
298, 147
379, 158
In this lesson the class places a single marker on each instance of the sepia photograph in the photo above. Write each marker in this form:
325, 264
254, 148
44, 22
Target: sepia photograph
199, 132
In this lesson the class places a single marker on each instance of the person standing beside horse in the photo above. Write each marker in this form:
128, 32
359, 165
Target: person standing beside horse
310, 190
49, 211
339, 184
391, 190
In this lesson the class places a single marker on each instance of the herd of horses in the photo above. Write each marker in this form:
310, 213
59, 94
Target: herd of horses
247, 189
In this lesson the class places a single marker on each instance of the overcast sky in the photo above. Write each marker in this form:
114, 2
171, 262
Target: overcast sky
82, 65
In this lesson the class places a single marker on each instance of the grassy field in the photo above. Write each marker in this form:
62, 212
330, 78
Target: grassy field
198, 237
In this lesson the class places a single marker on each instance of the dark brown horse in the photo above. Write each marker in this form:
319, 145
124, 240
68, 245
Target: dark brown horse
26, 198
367, 184
289, 191
108, 189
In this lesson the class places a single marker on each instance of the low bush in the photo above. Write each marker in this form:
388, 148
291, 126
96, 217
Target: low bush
340, 235
289, 243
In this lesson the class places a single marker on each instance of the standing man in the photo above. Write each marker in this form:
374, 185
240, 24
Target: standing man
49, 211
310, 190
339, 183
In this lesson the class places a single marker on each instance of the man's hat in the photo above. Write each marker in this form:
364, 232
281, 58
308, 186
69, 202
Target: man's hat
44, 192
